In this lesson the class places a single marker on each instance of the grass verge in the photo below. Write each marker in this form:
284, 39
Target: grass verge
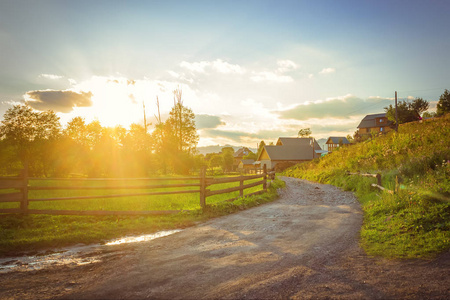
31, 233
413, 223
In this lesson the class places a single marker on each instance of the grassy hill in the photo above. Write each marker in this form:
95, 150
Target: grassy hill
415, 221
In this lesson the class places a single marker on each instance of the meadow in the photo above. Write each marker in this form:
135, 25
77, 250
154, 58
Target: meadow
24, 233
415, 221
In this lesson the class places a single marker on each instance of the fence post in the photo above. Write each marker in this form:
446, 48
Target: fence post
241, 186
379, 179
203, 187
24, 202
265, 178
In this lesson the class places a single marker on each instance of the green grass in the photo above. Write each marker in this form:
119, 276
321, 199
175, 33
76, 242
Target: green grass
415, 222
34, 232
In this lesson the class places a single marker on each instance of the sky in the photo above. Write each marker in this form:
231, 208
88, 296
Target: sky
249, 70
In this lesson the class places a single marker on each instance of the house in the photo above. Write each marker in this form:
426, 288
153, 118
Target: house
374, 123
246, 164
288, 152
239, 155
334, 142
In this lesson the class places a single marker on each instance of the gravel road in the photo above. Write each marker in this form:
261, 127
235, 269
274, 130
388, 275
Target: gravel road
302, 246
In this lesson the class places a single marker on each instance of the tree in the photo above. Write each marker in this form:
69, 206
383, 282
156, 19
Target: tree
215, 161
305, 132
260, 149
407, 112
428, 114
181, 126
227, 158
31, 133
251, 155
443, 106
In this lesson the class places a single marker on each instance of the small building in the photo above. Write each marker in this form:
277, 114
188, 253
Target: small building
239, 155
334, 142
375, 123
246, 164
288, 152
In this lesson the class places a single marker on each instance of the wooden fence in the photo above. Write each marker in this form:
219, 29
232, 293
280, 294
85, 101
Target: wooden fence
203, 183
378, 184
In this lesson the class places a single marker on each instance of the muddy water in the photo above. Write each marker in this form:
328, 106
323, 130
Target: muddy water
76, 255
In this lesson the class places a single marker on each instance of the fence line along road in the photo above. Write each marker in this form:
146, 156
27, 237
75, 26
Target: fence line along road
21, 183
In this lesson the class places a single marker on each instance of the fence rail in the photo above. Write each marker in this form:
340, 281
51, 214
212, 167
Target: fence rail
378, 185
202, 183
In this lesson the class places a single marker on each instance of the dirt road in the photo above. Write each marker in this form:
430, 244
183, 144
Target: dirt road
304, 245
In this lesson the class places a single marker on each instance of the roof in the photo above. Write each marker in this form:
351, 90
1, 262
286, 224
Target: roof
247, 161
290, 152
336, 139
294, 141
242, 152
370, 120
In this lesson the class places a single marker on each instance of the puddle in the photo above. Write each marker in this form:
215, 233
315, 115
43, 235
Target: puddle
142, 238
74, 256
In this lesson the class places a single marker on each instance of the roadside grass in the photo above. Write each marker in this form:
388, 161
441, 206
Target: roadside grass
413, 223
31, 233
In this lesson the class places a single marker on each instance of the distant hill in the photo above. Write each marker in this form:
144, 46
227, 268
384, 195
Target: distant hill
218, 148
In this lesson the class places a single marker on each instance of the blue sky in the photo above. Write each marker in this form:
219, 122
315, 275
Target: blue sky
250, 70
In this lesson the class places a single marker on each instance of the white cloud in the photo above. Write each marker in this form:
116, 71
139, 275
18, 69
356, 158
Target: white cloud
218, 65
174, 74
270, 76
327, 71
224, 67
198, 67
50, 76
286, 65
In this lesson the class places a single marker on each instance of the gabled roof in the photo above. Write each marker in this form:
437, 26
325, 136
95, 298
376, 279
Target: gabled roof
247, 161
336, 139
289, 152
370, 120
242, 152
293, 141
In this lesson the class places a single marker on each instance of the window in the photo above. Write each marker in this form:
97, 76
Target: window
381, 129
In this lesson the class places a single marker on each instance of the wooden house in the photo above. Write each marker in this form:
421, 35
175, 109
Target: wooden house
375, 123
334, 142
239, 155
246, 164
289, 151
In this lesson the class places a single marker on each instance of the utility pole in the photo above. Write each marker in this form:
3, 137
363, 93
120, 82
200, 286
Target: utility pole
396, 113
145, 118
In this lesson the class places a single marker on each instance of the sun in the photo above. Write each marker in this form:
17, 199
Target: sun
114, 101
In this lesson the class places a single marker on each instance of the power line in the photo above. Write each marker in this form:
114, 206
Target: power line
365, 107
433, 89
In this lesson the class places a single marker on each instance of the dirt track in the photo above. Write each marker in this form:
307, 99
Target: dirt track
304, 245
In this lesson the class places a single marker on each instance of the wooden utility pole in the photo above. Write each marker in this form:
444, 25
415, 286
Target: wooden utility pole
396, 113
145, 117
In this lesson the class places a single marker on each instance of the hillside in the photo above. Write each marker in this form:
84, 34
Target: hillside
415, 222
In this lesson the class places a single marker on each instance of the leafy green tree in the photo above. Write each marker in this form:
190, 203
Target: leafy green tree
305, 132
180, 126
428, 114
251, 155
178, 136
443, 106
260, 148
227, 159
407, 111
32, 134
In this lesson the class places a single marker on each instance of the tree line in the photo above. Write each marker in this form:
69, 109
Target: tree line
37, 140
